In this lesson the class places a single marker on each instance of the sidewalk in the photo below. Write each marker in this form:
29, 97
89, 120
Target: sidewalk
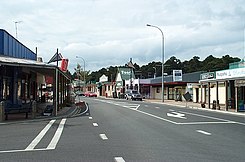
195, 106
63, 112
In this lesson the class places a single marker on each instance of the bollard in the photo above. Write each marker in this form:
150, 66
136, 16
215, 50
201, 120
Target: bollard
2, 111
34, 109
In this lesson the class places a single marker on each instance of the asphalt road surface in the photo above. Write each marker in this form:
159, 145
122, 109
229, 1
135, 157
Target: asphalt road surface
119, 130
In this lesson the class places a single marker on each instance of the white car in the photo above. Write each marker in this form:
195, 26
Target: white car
133, 95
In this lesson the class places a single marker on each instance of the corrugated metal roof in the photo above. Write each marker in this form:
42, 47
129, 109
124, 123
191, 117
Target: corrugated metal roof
23, 62
189, 77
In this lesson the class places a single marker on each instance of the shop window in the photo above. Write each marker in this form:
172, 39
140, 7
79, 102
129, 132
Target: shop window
158, 89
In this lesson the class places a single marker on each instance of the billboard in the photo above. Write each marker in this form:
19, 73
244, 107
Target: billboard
177, 75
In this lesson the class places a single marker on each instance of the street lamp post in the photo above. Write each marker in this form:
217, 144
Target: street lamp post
162, 58
155, 72
16, 22
84, 84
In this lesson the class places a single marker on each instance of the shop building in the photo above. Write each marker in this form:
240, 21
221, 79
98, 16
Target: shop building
225, 88
21, 75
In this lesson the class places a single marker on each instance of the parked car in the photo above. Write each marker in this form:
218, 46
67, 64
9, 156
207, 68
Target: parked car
90, 94
133, 95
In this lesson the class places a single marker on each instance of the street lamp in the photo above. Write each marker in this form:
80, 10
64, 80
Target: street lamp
155, 72
84, 84
162, 58
16, 22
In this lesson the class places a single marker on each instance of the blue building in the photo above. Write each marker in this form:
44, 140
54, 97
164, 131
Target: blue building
21, 75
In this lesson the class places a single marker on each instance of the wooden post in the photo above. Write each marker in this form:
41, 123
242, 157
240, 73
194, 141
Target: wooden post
2, 112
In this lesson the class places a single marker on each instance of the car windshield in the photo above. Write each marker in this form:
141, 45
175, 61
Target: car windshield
134, 92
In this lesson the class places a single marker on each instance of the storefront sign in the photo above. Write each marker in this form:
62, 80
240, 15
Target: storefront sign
177, 75
64, 64
210, 75
232, 73
240, 83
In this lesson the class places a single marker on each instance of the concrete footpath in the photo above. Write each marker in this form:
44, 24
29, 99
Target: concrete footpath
195, 106
63, 112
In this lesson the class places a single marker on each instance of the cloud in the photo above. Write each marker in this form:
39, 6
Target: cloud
109, 32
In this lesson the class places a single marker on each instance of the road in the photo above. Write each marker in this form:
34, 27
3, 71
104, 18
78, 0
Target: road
119, 130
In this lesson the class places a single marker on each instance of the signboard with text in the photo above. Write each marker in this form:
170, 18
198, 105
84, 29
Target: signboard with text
231, 73
177, 75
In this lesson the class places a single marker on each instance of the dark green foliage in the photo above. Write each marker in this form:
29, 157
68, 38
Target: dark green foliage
211, 63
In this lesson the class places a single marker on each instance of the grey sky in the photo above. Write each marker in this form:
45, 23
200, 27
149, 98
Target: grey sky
108, 32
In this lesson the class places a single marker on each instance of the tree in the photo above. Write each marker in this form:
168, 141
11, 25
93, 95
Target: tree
172, 64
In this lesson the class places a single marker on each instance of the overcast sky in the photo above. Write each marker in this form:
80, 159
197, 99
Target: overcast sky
110, 32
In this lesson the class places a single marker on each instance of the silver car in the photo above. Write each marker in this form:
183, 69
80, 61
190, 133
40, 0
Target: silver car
133, 95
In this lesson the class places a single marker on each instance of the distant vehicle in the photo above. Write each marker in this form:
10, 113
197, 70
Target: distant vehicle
48, 110
90, 94
133, 95
79, 93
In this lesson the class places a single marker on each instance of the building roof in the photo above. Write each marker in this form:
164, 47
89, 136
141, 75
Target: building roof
187, 78
40, 67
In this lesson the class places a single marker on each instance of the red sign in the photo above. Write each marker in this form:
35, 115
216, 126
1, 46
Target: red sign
64, 65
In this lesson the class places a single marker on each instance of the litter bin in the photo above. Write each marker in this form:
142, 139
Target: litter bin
241, 105
214, 104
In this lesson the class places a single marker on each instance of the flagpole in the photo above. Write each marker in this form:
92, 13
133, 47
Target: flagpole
57, 57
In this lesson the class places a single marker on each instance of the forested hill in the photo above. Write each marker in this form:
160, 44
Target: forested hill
211, 63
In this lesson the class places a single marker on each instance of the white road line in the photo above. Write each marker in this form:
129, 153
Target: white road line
204, 132
197, 123
146, 106
103, 137
157, 107
204, 116
90, 118
13, 151
33, 144
119, 159
57, 135
95, 124
156, 117
137, 107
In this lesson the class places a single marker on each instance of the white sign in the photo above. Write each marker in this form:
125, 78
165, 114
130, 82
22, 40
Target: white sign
176, 115
232, 73
177, 75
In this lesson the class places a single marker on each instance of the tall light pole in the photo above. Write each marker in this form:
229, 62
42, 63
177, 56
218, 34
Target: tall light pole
155, 72
16, 22
162, 58
84, 84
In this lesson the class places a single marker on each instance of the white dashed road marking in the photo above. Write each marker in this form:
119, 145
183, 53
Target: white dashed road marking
204, 132
95, 124
119, 159
103, 137
90, 118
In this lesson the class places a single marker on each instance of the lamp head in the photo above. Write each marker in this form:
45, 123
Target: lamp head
148, 25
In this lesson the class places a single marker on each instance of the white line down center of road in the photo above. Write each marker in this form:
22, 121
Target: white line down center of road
34, 143
103, 137
57, 135
90, 118
119, 159
204, 132
95, 124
